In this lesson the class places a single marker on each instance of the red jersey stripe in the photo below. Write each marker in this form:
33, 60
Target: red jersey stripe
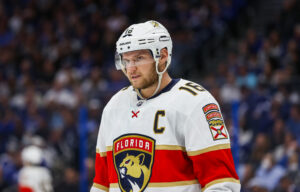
186, 168
101, 171
164, 169
218, 165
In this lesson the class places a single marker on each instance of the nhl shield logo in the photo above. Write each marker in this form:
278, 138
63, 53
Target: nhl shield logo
133, 159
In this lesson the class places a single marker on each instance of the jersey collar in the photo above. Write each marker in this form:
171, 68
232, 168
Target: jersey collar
166, 89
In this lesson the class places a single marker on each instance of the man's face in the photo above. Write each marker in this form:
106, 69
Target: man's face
140, 68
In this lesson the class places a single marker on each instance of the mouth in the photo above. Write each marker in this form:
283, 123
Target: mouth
134, 77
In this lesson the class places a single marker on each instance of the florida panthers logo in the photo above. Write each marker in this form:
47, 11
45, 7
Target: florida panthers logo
134, 171
133, 159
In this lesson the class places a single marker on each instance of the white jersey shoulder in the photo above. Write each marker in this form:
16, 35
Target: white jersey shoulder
120, 98
187, 95
184, 94
204, 125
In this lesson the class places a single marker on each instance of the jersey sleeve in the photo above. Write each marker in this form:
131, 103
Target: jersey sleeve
208, 146
100, 182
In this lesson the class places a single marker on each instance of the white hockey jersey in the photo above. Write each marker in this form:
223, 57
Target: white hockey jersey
175, 141
35, 179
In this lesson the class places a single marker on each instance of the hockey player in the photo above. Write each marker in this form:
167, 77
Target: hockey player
33, 177
160, 134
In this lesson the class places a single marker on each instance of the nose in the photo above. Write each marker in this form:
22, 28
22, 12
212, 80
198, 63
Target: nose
131, 68
130, 63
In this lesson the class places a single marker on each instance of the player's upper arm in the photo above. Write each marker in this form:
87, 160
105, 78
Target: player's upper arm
208, 145
101, 182
205, 121
100, 146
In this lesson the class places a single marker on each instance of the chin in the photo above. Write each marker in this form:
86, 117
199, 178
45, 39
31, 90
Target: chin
135, 85
141, 84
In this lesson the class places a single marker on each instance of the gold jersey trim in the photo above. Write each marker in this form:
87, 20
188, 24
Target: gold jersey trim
170, 147
233, 180
160, 147
177, 147
164, 184
102, 154
109, 148
113, 185
208, 149
173, 184
102, 187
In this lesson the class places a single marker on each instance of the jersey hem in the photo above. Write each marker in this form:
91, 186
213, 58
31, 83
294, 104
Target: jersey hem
98, 186
232, 180
163, 184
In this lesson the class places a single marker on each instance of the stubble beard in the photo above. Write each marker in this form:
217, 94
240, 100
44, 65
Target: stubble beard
147, 81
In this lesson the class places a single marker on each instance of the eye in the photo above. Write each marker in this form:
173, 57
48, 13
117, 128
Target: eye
139, 58
125, 62
126, 162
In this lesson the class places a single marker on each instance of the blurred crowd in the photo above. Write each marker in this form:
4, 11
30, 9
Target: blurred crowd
57, 57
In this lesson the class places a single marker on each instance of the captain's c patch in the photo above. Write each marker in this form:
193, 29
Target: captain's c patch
215, 121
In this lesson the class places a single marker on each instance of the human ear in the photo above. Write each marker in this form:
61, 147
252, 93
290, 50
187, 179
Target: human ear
163, 58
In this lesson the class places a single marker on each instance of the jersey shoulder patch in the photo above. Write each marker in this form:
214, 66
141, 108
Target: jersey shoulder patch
215, 121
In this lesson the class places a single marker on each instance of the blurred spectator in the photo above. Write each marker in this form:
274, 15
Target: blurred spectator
293, 123
33, 177
230, 91
268, 174
69, 181
10, 163
96, 86
59, 94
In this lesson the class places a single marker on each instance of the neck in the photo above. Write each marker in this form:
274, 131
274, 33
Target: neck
148, 92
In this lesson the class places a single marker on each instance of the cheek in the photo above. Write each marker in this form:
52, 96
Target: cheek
150, 71
126, 72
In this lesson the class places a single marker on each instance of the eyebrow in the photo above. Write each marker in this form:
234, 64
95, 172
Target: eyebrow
138, 54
